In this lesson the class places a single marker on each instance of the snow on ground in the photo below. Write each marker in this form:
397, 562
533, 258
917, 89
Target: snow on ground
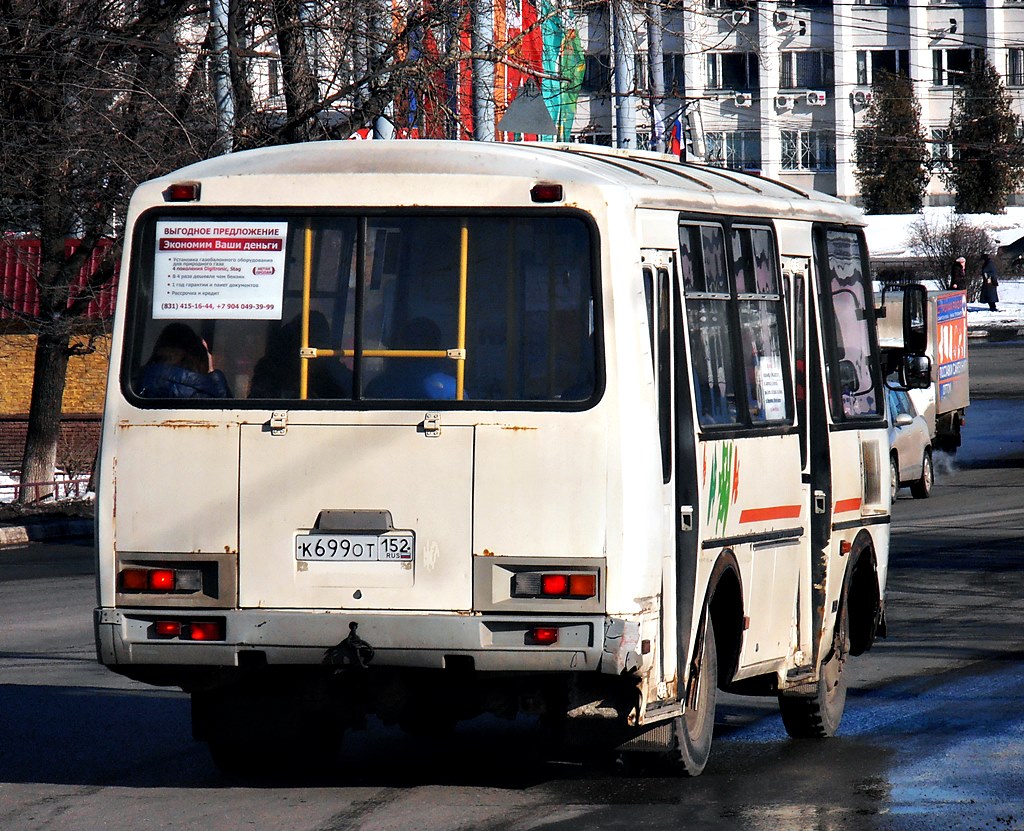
1010, 315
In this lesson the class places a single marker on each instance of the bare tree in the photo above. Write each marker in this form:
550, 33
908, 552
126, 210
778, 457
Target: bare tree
94, 98
938, 242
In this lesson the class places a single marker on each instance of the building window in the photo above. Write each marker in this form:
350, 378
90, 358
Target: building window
600, 139
869, 63
809, 69
1015, 67
675, 79
732, 70
274, 77
740, 150
597, 74
808, 150
950, 65
941, 149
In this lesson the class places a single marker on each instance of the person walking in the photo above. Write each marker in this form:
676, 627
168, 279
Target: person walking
958, 279
989, 283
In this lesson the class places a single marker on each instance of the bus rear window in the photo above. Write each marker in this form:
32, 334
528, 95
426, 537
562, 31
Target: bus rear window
374, 309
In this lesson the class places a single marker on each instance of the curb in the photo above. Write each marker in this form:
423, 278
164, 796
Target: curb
997, 333
48, 530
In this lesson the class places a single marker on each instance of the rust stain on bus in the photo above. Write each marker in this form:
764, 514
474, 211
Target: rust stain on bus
516, 428
174, 424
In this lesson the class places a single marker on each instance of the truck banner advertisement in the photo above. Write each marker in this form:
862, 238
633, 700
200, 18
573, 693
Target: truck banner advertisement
951, 346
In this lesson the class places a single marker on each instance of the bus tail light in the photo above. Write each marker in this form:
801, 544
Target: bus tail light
161, 580
167, 628
206, 630
572, 585
546, 192
182, 192
542, 635
190, 630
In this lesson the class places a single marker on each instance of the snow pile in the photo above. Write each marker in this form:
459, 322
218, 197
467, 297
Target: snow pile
887, 234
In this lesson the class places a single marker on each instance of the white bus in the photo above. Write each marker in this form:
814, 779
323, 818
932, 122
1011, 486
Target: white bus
421, 430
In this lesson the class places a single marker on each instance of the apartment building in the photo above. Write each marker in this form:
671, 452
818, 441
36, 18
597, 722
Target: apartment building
782, 88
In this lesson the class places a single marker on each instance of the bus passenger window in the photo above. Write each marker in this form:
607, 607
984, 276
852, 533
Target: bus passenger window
181, 366
712, 362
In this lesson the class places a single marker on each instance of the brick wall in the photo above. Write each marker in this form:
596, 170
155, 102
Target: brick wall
83, 401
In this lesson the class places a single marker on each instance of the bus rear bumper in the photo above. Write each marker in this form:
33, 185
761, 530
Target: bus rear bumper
132, 638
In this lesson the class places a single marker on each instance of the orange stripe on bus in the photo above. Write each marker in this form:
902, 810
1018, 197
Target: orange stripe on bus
765, 514
845, 505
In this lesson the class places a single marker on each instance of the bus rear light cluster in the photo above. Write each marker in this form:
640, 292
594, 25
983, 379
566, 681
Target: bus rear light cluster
161, 580
578, 585
190, 630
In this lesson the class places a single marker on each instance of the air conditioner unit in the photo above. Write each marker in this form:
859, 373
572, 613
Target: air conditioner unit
743, 99
784, 102
783, 19
740, 17
861, 98
816, 98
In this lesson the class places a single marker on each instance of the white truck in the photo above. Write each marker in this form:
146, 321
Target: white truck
943, 404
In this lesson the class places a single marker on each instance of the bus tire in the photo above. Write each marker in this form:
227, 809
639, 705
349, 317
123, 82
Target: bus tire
693, 730
817, 716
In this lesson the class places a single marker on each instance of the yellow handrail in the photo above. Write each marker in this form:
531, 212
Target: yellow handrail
307, 279
460, 366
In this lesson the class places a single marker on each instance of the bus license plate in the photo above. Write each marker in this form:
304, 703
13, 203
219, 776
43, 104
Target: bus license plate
356, 548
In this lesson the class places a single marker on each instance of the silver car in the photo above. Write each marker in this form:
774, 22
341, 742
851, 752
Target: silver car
910, 449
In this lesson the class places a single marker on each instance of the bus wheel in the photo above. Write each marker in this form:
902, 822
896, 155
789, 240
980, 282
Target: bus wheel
693, 730
817, 716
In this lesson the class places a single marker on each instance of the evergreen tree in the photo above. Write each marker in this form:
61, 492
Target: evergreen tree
988, 158
891, 149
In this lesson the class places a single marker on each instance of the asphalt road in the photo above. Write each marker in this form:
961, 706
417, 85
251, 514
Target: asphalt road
933, 735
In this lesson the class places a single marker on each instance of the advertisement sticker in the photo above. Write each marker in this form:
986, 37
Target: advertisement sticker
217, 269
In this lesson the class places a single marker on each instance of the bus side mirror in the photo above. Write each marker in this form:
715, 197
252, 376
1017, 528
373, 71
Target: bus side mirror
916, 372
915, 319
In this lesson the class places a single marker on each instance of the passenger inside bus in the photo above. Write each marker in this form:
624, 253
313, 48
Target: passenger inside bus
276, 374
181, 366
412, 378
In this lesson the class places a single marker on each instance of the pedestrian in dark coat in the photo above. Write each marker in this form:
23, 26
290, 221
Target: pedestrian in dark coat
958, 279
989, 283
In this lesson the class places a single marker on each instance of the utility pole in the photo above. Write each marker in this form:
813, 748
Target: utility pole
221, 71
483, 70
656, 64
624, 69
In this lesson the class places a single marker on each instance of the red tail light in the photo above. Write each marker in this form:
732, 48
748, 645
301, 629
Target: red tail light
182, 192
554, 584
161, 580
542, 635
206, 630
167, 628
546, 192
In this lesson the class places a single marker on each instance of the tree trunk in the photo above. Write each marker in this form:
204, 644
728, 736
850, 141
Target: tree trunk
50, 374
